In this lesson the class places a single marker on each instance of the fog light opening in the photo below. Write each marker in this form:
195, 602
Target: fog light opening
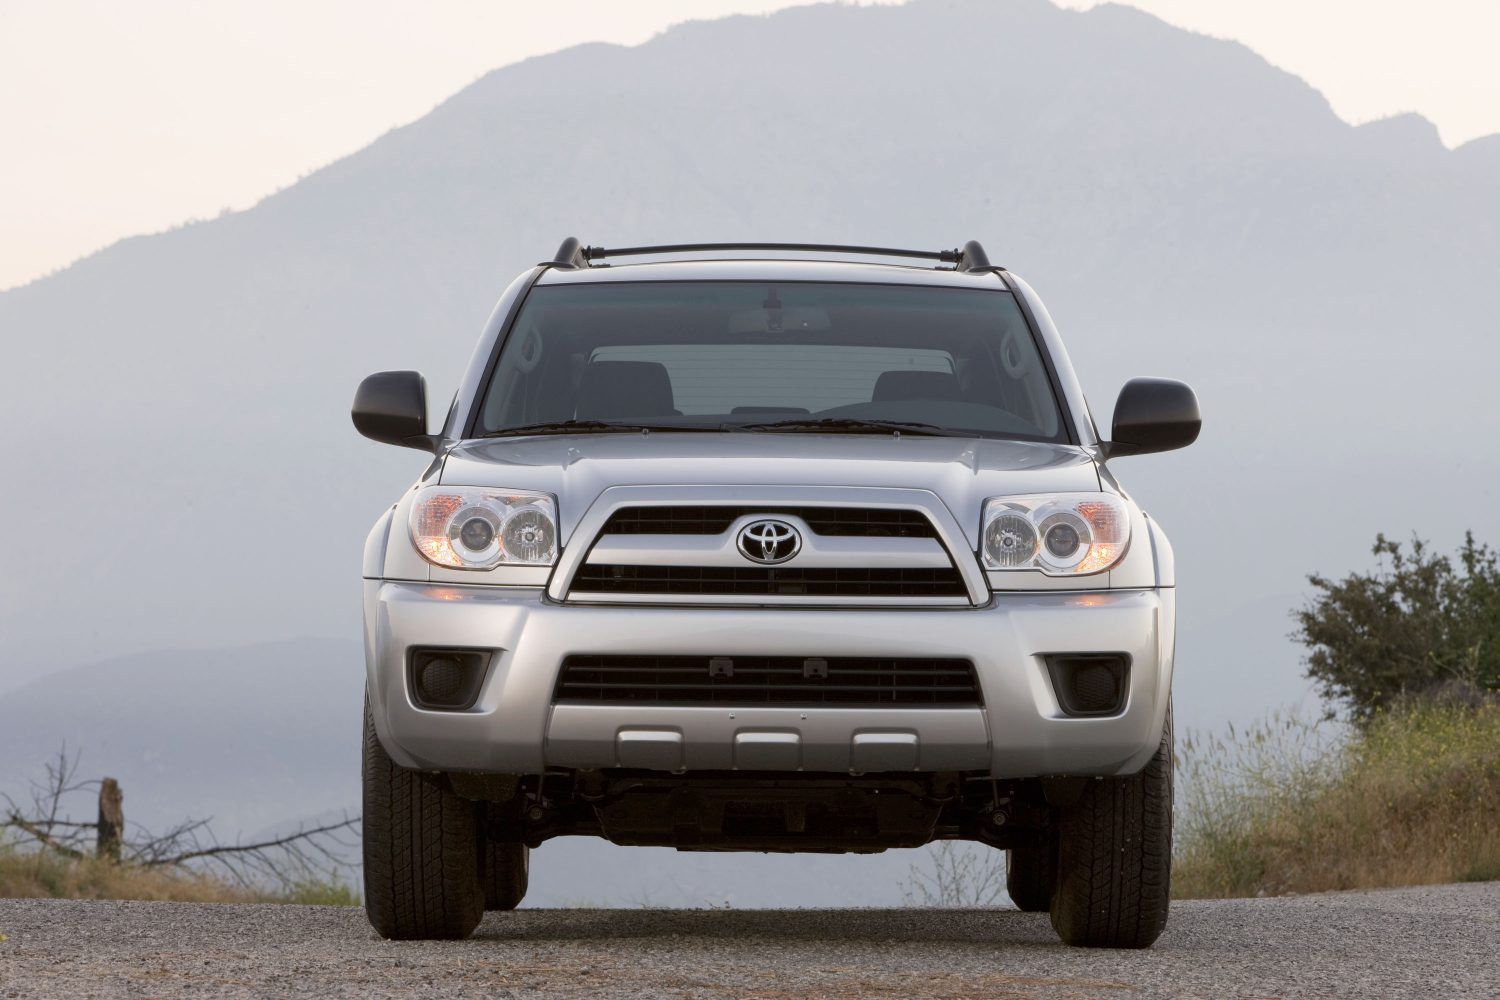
446, 679
1089, 684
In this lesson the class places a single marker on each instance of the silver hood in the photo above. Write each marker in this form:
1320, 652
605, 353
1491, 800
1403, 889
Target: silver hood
963, 472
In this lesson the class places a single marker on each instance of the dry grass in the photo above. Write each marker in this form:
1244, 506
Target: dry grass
1293, 807
33, 874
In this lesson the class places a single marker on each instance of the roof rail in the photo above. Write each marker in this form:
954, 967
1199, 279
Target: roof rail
573, 254
570, 255
974, 260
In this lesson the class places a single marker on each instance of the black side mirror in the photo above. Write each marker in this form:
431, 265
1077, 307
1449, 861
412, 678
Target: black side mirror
1153, 414
391, 407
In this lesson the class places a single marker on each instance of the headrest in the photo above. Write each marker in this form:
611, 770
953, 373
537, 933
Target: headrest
896, 385
612, 390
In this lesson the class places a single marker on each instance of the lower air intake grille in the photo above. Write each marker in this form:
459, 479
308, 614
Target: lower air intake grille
771, 581
766, 680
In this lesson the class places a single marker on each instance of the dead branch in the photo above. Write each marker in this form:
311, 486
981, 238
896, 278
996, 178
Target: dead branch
40, 835
289, 840
315, 853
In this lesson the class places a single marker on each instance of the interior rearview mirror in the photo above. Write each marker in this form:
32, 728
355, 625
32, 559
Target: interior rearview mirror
391, 407
1154, 414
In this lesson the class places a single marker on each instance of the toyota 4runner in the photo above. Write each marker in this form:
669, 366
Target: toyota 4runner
802, 552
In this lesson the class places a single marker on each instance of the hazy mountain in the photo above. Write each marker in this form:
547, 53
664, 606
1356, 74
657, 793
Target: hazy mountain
183, 472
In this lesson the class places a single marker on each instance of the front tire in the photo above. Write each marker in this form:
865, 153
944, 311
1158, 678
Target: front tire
421, 849
507, 868
1115, 858
1031, 876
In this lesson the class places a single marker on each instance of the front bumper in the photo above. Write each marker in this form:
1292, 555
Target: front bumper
1020, 732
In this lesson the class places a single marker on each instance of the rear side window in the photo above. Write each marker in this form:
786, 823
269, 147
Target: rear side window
714, 354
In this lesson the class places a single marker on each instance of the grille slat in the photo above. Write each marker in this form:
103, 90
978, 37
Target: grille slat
763, 680
707, 519
769, 581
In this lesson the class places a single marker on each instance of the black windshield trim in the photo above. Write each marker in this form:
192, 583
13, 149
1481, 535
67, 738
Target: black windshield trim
482, 390
1064, 408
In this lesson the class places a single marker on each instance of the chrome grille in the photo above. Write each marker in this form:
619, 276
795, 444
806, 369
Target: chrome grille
695, 552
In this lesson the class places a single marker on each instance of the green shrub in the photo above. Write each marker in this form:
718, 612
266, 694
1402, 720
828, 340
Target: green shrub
1416, 625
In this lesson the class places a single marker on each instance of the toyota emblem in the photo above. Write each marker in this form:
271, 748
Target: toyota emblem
769, 542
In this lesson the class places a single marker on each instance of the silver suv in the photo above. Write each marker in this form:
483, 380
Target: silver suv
812, 553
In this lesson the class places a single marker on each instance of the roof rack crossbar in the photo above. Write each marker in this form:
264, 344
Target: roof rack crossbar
947, 256
573, 254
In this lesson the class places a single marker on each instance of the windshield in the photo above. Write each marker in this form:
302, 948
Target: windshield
785, 356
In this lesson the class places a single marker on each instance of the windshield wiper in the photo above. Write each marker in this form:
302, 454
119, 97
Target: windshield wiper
850, 425
589, 427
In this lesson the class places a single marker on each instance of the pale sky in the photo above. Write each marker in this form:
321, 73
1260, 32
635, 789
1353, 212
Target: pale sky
123, 118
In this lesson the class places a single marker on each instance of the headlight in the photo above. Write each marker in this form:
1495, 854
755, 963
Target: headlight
471, 528
1061, 534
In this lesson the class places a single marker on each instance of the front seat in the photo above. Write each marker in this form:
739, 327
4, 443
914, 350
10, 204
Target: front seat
905, 384
614, 390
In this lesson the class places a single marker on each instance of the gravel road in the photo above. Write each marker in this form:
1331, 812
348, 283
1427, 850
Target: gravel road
1442, 941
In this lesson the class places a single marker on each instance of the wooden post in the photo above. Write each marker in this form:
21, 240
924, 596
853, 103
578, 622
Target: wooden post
111, 820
